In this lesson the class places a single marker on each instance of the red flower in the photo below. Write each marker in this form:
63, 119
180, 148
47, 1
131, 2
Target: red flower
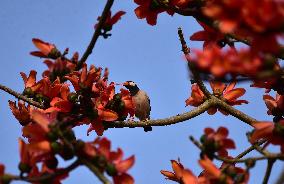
210, 173
218, 140
180, 174
62, 103
2, 170
58, 68
84, 79
111, 161
272, 132
148, 9
209, 35
275, 106
46, 50
246, 19
197, 97
111, 20
234, 14
21, 113
37, 131
30, 82
180, 3
220, 63
129, 107
229, 94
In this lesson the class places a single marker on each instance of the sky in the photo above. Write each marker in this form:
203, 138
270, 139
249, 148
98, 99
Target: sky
149, 55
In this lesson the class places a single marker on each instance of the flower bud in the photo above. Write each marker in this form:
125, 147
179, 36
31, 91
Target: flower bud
24, 168
56, 147
51, 162
110, 169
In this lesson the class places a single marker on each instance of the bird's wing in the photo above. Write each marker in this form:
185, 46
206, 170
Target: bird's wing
149, 104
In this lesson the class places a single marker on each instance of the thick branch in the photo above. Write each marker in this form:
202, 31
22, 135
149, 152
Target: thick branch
96, 34
163, 122
21, 97
234, 112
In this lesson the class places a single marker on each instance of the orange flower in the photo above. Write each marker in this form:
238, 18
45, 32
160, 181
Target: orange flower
58, 68
229, 94
180, 174
2, 170
272, 132
111, 161
210, 170
46, 50
209, 35
30, 82
217, 142
148, 9
197, 97
85, 78
21, 113
62, 103
246, 19
37, 131
111, 20
275, 105
220, 63
123, 179
219, 90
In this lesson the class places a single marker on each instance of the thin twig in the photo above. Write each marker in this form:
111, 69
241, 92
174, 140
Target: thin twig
236, 160
162, 122
21, 97
280, 179
47, 176
96, 171
270, 163
96, 34
191, 65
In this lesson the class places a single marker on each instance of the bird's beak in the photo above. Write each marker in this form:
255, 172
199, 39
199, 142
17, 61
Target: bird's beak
125, 83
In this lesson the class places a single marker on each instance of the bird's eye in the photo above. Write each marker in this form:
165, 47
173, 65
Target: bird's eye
131, 83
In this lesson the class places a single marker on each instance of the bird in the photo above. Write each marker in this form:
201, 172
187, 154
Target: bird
141, 102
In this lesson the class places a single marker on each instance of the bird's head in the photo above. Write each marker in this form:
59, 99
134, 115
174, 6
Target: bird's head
132, 87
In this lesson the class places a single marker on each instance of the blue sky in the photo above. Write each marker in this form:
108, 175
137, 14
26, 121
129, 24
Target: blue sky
150, 56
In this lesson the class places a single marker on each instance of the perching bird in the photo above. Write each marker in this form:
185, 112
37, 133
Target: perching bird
141, 102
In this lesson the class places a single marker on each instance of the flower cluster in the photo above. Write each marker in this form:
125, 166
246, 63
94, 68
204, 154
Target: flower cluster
110, 161
211, 174
150, 9
216, 142
227, 92
245, 18
49, 131
231, 62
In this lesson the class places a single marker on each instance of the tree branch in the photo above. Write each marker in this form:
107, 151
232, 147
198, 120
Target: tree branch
47, 176
95, 170
96, 34
21, 97
234, 112
280, 179
270, 163
162, 122
191, 66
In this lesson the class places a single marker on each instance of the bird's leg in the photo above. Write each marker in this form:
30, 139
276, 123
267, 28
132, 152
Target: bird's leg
131, 118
